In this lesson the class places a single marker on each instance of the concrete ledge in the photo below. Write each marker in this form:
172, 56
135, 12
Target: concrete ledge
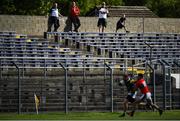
37, 25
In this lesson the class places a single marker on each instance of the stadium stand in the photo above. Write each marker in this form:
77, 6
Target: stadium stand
24, 47
130, 45
92, 78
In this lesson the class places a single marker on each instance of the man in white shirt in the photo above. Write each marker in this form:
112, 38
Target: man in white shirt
102, 22
53, 18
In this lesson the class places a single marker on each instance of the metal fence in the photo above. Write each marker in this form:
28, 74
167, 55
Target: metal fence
82, 88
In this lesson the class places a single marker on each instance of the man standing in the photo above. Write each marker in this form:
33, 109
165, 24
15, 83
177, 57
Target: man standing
53, 18
102, 21
74, 16
146, 95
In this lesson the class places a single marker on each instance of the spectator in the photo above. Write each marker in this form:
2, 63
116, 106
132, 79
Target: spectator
74, 13
146, 95
102, 22
53, 18
121, 23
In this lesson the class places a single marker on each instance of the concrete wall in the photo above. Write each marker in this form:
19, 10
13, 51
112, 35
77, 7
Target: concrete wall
36, 25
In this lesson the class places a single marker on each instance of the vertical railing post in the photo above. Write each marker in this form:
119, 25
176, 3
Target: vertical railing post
43, 98
154, 82
19, 91
150, 52
143, 24
111, 86
164, 88
164, 85
112, 105
125, 65
66, 86
19, 88
84, 74
66, 90
154, 85
104, 71
0, 69
84, 81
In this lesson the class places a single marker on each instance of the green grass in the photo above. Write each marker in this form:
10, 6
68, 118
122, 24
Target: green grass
168, 115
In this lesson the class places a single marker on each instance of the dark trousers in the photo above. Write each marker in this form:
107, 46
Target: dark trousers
76, 22
53, 20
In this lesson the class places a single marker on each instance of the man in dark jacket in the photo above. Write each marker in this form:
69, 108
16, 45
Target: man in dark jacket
121, 23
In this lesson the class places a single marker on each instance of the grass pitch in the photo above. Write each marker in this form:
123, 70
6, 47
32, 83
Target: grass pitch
167, 115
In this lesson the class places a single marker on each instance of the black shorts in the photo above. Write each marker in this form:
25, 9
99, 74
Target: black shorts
102, 22
130, 99
54, 20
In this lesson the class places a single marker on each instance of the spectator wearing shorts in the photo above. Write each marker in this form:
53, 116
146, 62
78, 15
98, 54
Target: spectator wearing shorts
102, 21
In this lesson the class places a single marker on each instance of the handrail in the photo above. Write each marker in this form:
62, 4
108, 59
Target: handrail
150, 33
72, 62
62, 58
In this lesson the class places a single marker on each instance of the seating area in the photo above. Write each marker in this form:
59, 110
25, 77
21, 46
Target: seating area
121, 45
86, 49
35, 52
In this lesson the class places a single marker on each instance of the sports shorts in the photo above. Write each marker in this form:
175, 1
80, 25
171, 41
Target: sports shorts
102, 22
130, 98
146, 97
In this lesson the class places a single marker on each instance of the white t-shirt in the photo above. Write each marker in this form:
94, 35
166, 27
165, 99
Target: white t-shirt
54, 12
103, 13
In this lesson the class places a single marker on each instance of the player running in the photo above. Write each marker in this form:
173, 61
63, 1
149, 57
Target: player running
129, 83
146, 95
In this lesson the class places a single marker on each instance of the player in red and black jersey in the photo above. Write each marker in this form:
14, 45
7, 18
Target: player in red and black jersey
146, 94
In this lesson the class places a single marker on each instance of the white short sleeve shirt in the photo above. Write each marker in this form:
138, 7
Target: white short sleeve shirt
103, 13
